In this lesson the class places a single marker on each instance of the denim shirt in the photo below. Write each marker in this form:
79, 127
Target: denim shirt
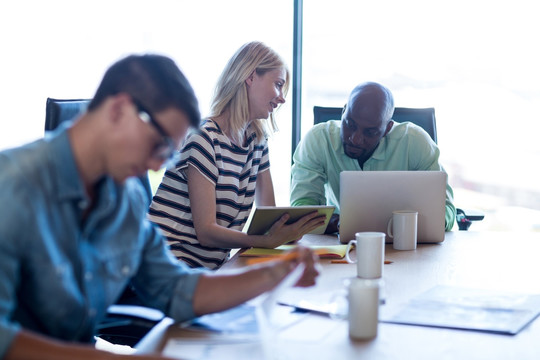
59, 271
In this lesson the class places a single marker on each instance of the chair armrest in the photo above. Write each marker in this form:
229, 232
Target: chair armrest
127, 324
464, 218
135, 311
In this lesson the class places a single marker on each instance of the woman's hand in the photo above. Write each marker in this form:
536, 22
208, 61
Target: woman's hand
281, 233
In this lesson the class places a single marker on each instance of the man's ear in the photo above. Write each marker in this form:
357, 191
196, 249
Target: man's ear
389, 126
343, 111
119, 104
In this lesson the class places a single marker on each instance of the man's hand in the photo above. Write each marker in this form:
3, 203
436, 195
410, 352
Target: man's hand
333, 225
312, 266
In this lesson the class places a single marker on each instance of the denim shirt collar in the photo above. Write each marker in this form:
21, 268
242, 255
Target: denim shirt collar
68, 182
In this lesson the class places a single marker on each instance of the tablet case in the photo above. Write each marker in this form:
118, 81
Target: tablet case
263, 217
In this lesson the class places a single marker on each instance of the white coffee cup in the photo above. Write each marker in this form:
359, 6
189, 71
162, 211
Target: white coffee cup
369, 254
402, 227
363, 308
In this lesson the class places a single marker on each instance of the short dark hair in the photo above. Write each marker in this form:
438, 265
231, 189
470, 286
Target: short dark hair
383, 94
154, 81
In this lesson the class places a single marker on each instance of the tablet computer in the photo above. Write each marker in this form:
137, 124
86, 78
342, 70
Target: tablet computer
262, 218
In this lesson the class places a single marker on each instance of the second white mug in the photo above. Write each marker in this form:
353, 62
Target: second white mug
402, 227
369, 254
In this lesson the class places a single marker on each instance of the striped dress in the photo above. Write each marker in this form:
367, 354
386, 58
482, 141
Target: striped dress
232, 169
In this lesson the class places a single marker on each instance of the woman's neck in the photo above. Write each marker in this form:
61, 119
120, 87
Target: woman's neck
223, 121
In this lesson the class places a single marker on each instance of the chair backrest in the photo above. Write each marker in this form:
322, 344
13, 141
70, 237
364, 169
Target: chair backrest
323, 114
59, 110
423, 117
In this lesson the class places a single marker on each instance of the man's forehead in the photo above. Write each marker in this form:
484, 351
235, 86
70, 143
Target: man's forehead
365, 113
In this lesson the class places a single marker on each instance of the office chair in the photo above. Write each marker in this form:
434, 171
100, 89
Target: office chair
59, 110
126, 322
425, 118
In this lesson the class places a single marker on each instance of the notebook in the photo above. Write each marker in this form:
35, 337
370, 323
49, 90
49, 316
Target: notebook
325, 251
367, 199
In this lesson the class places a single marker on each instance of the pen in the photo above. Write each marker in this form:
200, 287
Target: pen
346, 262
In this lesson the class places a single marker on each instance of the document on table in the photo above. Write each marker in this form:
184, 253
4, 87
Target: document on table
237, 342
470, 309
245, 332
189, 349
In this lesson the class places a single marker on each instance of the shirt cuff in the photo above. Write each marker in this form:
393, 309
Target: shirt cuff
8, 331
181, 308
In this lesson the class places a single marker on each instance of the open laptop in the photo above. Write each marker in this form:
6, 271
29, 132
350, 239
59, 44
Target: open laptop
368, 198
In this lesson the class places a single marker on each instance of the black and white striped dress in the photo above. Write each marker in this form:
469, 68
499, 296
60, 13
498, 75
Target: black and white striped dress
232, 169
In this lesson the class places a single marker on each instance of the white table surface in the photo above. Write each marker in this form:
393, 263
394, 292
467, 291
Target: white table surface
502, 261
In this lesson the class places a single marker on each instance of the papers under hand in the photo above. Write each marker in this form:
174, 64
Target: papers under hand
270, 299
240, 321
267, 308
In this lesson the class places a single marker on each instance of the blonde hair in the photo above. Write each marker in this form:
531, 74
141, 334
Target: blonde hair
231, 89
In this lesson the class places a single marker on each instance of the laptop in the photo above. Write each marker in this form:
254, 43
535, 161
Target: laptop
368, 198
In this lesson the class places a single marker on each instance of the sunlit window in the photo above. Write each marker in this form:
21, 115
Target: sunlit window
474, 61
61, 49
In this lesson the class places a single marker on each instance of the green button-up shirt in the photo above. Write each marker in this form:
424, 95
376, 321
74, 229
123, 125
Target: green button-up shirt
320, 158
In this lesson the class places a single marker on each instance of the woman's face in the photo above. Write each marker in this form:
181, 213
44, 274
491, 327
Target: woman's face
265, 93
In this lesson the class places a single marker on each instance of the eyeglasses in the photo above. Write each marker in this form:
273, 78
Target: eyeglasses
165, 150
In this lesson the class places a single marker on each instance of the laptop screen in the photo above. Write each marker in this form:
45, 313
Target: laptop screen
368, 198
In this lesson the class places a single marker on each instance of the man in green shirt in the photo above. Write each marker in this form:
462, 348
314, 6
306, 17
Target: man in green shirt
365, 139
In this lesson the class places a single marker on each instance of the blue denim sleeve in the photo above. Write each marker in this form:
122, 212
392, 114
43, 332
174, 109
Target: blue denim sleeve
8, 281
11, 222
8, 266
8, 331
162, 281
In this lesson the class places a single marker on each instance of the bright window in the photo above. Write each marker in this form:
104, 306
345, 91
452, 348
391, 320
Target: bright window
61, 49
474, 61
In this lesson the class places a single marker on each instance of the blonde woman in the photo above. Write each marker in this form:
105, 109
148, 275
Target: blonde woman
203, 203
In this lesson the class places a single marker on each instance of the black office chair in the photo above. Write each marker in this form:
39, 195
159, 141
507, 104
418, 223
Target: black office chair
423, 117
59, 110
126, 322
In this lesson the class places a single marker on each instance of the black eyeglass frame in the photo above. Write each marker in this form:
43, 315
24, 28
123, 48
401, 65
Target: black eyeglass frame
166, 150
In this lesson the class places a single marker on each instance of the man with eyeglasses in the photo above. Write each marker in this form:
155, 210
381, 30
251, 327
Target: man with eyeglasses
73, 228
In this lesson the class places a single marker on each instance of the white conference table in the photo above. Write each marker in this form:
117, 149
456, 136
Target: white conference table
502, 261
